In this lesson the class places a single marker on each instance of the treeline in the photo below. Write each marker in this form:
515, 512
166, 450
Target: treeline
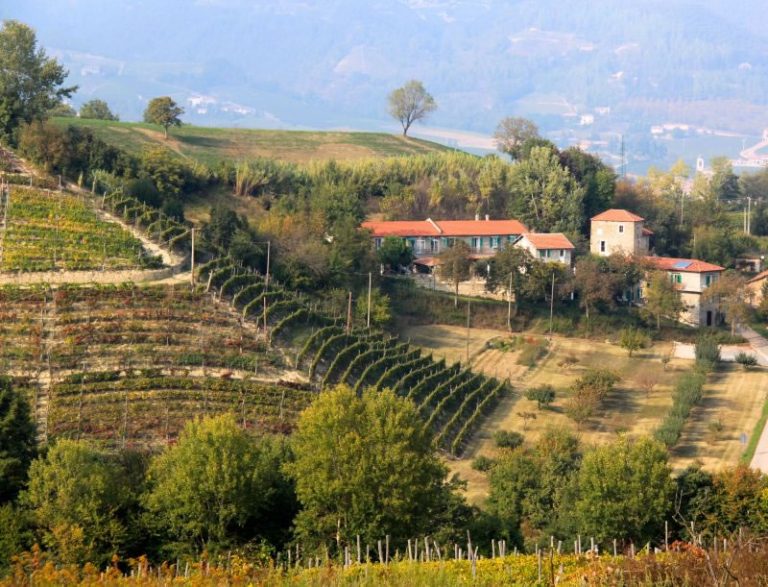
358, 468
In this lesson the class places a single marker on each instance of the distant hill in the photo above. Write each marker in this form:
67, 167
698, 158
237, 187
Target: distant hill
210, 145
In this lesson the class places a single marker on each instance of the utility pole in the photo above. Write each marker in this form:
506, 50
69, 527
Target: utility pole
266, 278
509, 304
551, 305
370, 283
349, 313
469, 312
749, 215
192, 257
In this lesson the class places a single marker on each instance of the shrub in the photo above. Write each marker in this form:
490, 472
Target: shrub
483, 463
746, 360
508, 439
707, 351
687, 393
634, 339
543, 395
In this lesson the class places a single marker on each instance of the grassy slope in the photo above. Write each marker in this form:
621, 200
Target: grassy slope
211, 145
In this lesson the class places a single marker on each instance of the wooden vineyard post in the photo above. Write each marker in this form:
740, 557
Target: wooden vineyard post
349, 313
192, 259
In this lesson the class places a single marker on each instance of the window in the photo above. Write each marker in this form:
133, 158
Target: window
621, 228
377, 243
435, 245
495, 242
411, 242
602, 246
474, 242
543, 254
709, 280
676, 278
562, 253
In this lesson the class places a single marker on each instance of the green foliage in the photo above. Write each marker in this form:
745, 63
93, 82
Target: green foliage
707, 351
76, 496
394, 253
364, 465
482, 463
381, 311
746, 360
97, 110
218, 488
455, 265
411, 103
624, 491
16, 536
507, 438
543, 395
164, 112
687, 393
30, 81
633, 339
662, 299
17, 440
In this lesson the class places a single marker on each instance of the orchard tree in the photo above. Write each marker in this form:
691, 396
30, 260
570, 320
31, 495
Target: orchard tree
455, 266
164, 112
219, 487
543, 395
624, 491
633, 339
17, 440
411, 103
512, 133
365, 465
97, 110
31, 83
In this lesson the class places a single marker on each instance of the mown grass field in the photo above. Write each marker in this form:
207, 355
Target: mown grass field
732, 397
210, 145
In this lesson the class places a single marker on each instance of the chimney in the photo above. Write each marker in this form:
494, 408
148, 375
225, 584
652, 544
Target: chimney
477, 217
487, 218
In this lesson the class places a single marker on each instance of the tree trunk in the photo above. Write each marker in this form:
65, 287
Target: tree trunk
456, 296
165, 128
658, 321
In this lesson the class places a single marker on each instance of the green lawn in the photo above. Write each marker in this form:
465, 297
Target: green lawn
210, 145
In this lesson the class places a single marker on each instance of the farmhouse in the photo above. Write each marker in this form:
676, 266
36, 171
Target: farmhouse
621, 231
428, 238
552, 247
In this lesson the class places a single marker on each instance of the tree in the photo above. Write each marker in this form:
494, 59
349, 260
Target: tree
624, 490
508, 270
30, 81
594, 283
411, 103
512, 133
167, 172
17, 440
546, 197
662, 299
163, 111
218, 487
394, 253
75, 495
633, 339
365, 466
543, 395
381, 308
455, 266
97, 110
731, 295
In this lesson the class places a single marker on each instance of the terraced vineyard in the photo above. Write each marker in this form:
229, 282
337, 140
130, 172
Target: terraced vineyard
453, 401
129, 364
45, 231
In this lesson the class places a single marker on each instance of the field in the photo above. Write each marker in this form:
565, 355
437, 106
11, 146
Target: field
732, 396
46, 231
211, 145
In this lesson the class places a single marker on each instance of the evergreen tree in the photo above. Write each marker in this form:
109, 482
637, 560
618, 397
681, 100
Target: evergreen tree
17, 440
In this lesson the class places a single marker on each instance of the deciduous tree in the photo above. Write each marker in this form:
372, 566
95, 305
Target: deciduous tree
31, 83
455, 266
97, 110
731, 295
411, 103
164, 112
364, 466
512, 132
394, 253
662, 300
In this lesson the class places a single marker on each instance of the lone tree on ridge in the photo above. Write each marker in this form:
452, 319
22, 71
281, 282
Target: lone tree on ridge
163, 111
411, 103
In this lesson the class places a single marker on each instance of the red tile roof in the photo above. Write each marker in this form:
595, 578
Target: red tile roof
449, 228
617, 215
554, 240
759, 276
682, 265
647, 232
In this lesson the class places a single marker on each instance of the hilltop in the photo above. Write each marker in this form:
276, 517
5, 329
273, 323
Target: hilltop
211, 145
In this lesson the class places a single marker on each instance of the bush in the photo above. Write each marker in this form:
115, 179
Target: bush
483, 463
532, 351
543, 395
687, 393
707, 350
745, 360
508, 439
633, 339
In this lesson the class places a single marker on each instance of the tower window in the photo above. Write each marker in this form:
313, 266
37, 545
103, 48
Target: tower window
621, 228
